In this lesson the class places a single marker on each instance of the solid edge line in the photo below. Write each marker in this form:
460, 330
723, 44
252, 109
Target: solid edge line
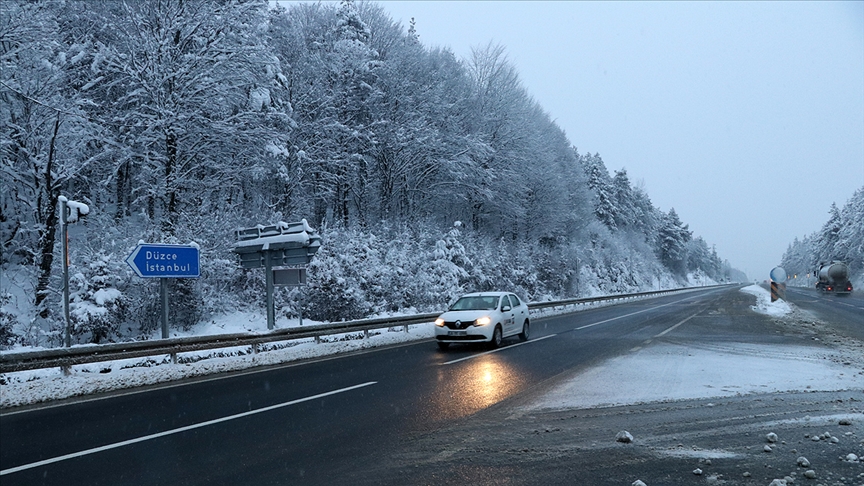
496, 350
195, 379
181, 429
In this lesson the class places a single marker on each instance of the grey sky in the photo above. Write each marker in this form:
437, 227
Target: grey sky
747, 118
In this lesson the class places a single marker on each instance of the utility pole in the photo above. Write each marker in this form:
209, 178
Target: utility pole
70, 211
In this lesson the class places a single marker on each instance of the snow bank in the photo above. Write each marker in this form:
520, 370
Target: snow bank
764, 305
666, 372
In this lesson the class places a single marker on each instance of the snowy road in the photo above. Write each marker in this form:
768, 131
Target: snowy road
843, 313
403, 415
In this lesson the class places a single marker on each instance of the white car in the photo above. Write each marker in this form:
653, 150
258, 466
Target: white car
483, 317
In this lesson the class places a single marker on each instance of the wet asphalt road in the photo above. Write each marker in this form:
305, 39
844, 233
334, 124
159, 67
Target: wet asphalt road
721, 438
845, 313
363, 418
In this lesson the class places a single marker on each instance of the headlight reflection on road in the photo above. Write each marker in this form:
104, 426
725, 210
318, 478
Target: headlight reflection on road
474, 385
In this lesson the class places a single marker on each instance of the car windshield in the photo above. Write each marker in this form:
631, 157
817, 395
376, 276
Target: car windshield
475, 303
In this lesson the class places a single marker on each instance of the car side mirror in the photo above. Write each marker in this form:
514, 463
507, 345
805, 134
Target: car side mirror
505, 308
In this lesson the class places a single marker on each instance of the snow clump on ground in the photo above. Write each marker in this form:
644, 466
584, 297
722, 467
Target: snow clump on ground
764, 305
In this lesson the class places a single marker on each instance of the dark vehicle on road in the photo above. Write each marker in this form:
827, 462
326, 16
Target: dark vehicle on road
834, 278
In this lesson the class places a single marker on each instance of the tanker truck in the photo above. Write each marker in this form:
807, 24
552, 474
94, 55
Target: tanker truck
834, 278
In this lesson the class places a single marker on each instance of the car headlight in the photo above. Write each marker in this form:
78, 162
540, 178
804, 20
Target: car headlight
439, 322
482, 321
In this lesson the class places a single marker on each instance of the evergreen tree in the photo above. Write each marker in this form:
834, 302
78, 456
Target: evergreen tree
625, 204
673, 238
600, 184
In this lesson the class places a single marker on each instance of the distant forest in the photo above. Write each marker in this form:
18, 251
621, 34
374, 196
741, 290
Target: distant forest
179, 121
841, 238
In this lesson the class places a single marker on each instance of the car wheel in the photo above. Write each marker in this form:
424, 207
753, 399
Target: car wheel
497, 337
443, 346
523, 336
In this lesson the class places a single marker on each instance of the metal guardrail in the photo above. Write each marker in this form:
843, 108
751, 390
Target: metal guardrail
65, 357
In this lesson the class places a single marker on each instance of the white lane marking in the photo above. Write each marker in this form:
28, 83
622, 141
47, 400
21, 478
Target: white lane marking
676, 325
627, 315
177, 431
580, 328
496, 350
194, 380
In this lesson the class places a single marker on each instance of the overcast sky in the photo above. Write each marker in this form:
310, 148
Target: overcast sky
747, 118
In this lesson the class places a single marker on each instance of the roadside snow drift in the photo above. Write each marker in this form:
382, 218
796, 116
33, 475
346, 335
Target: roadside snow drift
764, 304
666, 372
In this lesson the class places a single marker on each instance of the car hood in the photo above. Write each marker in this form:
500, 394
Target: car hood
465, 315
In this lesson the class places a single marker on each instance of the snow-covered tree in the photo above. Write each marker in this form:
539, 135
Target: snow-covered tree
840, 238
7, 322
673, 237
97, 308
625, 204
600, 184
195, 101
45, 137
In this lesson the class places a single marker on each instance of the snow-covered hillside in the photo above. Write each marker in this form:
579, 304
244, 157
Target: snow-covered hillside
328, 112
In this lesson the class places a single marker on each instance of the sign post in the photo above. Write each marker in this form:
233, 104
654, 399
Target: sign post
279, 245
778, 283
164, 262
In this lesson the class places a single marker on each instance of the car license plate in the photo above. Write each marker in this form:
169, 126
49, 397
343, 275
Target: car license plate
457, 333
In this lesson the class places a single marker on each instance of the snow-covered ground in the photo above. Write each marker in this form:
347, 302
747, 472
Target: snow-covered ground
666, 372
763, 302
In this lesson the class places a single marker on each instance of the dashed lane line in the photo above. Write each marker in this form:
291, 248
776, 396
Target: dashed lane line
676, 325
496, 350
584, 327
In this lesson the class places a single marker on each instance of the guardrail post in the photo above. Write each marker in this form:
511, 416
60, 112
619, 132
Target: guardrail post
406, 328
254, 348
365, 333
174, 358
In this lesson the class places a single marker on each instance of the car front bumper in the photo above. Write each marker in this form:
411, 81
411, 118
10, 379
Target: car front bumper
471, 334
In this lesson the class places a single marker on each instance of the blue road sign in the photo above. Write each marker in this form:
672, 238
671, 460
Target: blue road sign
165, 261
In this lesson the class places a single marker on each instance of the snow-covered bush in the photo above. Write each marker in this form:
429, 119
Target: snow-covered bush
97, 308
449, 268
187, 305
332, 296
7, 321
